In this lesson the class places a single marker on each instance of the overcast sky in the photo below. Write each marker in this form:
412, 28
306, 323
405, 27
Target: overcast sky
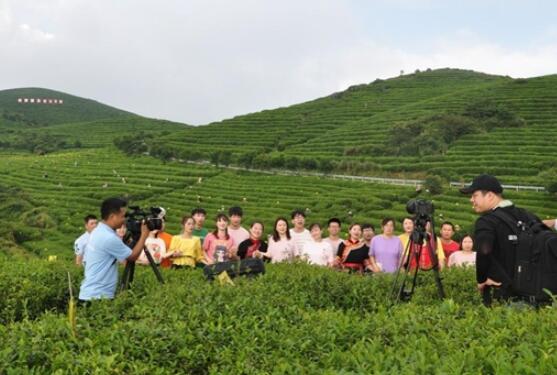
198, 61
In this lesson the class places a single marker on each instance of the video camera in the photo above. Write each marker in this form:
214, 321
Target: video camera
422, 210
135, 216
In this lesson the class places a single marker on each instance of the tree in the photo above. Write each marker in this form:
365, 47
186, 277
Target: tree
291, 162
550, 181
433, 184
325, 165
225, 157
215, 158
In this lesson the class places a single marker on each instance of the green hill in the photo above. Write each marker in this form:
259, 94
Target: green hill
73, 108
350, 131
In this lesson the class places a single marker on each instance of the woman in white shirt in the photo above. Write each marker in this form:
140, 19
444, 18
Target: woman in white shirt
466, 256
281, 247
316, 250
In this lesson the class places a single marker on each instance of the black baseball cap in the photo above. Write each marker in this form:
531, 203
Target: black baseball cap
483, 182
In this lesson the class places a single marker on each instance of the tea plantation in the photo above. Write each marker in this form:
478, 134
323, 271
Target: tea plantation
351, 129
295, 318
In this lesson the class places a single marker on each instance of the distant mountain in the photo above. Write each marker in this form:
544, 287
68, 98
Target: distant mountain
39, 106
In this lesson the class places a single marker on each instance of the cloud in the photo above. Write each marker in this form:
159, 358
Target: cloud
33, 34
205, 60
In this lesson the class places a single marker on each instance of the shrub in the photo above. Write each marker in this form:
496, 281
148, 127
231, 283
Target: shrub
433, 184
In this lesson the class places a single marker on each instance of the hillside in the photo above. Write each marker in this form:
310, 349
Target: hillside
47, 196
349, 131
72, 108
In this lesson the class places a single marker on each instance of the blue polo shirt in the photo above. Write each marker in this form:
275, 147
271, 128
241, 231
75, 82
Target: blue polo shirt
104, 250
80, 243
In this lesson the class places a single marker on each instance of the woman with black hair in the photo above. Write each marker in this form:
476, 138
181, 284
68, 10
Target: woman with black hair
281, 246
218, 245
253, 247
353, 253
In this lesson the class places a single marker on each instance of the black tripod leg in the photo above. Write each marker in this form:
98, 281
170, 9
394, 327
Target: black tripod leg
415, 276
397, 288
153, 266
127, 277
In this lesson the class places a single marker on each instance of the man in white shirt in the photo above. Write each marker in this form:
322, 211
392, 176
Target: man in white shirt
81, 242
235, 230
333, 227
298, 232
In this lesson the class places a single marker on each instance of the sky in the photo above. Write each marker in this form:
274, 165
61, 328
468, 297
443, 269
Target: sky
199, 61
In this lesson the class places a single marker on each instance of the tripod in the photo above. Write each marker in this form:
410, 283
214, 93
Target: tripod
411, 264
127, 277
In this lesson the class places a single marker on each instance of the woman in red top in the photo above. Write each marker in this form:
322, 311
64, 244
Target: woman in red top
353, 253
253, 246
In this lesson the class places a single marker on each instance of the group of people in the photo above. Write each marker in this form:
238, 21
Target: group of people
363, 250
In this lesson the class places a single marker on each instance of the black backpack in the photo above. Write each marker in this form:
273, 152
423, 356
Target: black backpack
536, 258
245, 267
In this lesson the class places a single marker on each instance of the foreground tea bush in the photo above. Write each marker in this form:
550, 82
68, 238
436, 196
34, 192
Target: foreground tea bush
295, 319
30, 287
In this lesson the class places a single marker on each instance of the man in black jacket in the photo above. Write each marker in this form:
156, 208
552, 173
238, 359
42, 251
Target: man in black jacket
495, 241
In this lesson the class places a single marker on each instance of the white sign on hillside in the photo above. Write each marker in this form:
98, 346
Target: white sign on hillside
39, 101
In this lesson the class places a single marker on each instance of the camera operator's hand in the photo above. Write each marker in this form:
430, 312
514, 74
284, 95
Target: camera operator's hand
144, 229
138, 248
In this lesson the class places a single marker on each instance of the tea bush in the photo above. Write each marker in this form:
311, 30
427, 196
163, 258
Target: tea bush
294, 319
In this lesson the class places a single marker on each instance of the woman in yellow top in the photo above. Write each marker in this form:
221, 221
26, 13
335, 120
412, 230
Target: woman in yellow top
185, 249
408, 225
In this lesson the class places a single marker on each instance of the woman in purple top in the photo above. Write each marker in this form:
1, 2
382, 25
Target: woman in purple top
386, 249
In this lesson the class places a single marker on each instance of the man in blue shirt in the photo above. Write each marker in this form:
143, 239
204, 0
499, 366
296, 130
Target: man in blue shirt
81, 242
105, 249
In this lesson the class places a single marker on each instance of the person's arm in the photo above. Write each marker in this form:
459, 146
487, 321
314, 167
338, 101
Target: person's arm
138, 248
372, 251
451, 261
199, 258
172, 248
440, 254
79, 260
232, 250
243, 249
373, 264
485, 241
552, 223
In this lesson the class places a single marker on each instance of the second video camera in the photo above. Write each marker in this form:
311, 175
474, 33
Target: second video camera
135, 216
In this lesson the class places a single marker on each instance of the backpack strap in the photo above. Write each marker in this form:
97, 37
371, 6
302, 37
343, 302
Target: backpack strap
508, 219
512, 223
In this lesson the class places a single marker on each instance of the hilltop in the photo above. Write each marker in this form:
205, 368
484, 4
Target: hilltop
28, 106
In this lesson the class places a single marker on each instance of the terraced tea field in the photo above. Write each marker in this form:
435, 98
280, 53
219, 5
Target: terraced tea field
345, 127
63, 187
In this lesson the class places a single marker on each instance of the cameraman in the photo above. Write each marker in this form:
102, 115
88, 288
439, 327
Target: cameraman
105, 249
495, 241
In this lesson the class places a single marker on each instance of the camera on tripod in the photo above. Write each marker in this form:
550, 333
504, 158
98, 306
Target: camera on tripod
422, 211
135, 216
420, 208
420, 250
154, 219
